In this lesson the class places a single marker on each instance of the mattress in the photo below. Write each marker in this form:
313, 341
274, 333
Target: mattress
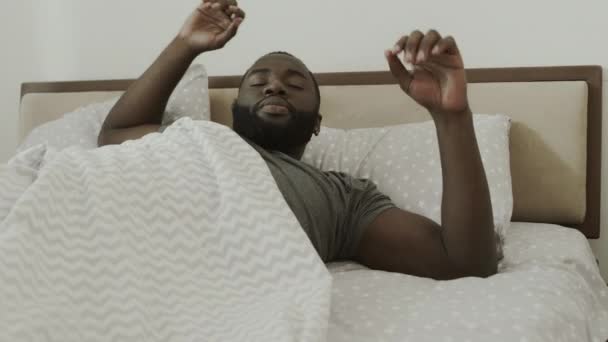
548, 289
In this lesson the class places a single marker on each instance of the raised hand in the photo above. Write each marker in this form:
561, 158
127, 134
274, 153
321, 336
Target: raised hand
212, 24
437, 80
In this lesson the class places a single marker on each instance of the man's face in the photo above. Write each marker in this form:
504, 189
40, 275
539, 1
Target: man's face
277, 106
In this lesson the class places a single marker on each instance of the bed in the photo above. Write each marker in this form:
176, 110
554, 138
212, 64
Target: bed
548, 287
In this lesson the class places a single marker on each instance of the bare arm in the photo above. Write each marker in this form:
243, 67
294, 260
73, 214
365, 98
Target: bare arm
140, 110
468, 224
465, 244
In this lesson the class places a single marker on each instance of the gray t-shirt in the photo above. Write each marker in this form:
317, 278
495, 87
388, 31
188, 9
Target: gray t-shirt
333, 208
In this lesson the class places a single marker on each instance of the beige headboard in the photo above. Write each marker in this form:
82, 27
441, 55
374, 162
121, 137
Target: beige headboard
555, 139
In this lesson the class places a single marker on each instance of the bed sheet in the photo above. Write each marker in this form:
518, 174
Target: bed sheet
548, 289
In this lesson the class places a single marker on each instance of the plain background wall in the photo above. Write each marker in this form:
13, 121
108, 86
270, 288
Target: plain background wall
54, 40
16, 64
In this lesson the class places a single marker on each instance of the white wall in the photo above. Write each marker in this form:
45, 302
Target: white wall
76, 39
17, 62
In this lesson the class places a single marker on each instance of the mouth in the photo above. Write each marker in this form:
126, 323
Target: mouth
275, 109
275, 106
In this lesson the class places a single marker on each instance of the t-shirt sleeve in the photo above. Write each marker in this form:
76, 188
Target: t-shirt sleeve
365, 203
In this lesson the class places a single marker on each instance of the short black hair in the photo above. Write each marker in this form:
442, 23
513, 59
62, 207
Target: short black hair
314, 80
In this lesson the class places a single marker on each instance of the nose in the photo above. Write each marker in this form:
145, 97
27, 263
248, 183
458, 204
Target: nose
275, 87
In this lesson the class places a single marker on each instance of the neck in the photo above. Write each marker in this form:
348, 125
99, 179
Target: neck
296, 152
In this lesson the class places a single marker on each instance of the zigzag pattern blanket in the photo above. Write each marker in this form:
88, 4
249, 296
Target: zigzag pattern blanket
180, 236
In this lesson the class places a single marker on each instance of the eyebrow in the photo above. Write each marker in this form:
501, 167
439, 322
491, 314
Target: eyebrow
267, 71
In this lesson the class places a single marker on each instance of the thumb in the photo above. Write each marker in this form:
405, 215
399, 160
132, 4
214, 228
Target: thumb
398, 70
231, 31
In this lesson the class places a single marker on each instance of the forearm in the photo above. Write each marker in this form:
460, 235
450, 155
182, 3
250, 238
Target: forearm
467, 220
146, 99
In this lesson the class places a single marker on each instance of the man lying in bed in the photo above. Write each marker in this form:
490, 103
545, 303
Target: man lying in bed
277, 111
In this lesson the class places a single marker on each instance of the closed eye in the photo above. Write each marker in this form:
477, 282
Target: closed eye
258, 84
295, 86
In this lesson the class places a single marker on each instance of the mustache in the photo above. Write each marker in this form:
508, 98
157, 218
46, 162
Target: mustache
295, 132
261, 103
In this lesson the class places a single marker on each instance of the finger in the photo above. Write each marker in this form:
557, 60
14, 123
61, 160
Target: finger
230, 3
235, 12
446, 45
411, 48
222, 16
426, 45
225, 4
231, 31
398, 70
205, 5
435, 69
214, 14
400, 45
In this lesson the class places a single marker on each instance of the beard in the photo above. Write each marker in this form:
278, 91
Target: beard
295, 132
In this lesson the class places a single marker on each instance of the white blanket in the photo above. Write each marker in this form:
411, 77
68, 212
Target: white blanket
549, 289
180, 236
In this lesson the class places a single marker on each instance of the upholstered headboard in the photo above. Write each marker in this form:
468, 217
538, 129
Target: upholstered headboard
555, 139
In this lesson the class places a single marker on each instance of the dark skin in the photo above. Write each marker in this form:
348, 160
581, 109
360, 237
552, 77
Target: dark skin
465, 244
283, 81
397, 241
140, 110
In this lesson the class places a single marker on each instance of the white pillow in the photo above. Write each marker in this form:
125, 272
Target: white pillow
190, 98
81, 127
78, 128
404, 162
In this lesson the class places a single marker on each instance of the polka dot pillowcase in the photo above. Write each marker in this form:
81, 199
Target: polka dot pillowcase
404, 162
190, 98
81, 127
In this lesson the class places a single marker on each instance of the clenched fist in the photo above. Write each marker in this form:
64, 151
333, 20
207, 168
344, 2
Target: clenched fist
437, 80
212, 24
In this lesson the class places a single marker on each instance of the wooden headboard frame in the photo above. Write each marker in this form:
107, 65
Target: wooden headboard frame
592, 75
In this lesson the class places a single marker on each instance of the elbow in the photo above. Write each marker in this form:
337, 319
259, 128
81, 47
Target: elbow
104, 138
485, 269
101, 139
470, 270
107, 136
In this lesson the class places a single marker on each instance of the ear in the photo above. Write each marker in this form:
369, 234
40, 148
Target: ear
318, 124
